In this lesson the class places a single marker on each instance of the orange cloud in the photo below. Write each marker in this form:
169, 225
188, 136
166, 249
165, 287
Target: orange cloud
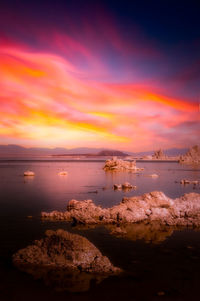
47, 101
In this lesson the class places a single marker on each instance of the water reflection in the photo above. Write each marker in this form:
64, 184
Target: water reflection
48, 191
149, 232
153, 232
62, 279
28, 179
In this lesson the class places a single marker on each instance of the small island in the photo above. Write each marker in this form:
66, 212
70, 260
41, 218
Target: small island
116, 164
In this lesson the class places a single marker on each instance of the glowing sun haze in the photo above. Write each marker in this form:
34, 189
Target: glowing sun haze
91, 85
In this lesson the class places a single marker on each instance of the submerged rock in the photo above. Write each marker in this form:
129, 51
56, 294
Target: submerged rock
192, 156
28, 173
65, 260
153, 206
119, 164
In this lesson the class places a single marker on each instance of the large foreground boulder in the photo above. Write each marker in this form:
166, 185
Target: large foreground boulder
65, 260
153, 206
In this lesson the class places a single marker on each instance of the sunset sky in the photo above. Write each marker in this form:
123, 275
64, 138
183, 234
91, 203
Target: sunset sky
113, 74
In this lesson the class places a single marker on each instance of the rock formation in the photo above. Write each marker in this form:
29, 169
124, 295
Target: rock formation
153, 206
65, 260
124, 186
192, 156
29, 173
127, 185
184, 182
117, 186
154, 175
159, 155
62, 173
119, 164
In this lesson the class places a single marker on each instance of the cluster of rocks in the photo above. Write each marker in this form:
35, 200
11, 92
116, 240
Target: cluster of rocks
125, 186
184, 182
192, 156
159, 155
119, 164
153, 206
68, 261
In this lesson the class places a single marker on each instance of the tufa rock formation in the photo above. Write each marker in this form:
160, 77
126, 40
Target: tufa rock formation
153, 206
184, 182
159, 155
154, 175
63, 173
65, 260
192, 156
119, 164
124, 186
29, 173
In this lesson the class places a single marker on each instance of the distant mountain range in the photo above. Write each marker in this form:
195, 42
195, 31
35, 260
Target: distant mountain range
171, 152
19, 151
16, 150
100, 154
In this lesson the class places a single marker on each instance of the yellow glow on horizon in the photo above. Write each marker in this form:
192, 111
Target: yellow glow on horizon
45, 101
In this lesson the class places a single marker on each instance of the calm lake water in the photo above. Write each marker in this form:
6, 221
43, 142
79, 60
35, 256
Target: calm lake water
160, 263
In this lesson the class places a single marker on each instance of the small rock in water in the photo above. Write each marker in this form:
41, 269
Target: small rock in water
62, 173
29, 173
117, 186
161, 293
126, 185
154, 175
184, 181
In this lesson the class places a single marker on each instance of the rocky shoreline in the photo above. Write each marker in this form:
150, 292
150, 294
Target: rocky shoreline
153, 206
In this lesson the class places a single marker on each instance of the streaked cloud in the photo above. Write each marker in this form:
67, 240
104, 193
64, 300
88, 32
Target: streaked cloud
70, 95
